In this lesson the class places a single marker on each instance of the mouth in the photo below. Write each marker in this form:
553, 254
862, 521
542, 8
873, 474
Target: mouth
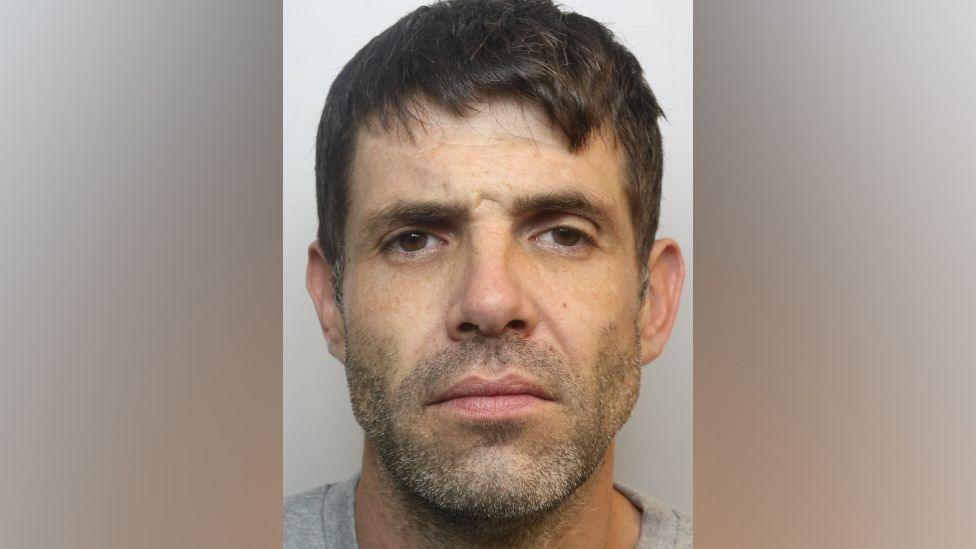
479, 399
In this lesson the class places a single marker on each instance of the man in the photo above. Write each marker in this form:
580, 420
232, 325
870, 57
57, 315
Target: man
488, 181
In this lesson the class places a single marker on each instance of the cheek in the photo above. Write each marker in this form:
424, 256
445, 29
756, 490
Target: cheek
382, 295
579, 309
405, 313
582, 304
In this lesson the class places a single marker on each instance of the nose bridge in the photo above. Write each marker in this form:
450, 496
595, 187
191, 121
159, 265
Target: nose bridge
492, 297
489, 273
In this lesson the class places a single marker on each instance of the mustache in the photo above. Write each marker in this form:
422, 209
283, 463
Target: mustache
488, 356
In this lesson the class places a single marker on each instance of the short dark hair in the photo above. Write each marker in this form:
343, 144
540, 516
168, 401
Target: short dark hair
458, 53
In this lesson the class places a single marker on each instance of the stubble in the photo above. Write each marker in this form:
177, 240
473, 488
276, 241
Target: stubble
514, 473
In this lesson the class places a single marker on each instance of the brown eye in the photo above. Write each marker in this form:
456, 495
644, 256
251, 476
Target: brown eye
411, 241
565, 236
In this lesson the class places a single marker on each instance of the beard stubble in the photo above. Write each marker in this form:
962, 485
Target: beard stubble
513, 472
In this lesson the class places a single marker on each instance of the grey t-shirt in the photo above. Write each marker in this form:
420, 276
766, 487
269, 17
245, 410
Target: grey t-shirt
325, 518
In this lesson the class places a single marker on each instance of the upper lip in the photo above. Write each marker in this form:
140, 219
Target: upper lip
512, 384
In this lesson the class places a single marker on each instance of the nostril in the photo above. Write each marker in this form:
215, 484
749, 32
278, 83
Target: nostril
467, 327
518, 325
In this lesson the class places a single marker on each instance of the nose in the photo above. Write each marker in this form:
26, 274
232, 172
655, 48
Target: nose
491, 300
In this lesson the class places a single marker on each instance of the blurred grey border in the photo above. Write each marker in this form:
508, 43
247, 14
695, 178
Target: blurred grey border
140, 400
140, 397
835, 187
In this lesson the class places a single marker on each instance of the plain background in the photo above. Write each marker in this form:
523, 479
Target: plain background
322, 442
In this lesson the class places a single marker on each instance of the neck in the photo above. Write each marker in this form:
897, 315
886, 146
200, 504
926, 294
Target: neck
595, 515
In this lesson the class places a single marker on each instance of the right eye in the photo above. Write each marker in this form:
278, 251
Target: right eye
412, 241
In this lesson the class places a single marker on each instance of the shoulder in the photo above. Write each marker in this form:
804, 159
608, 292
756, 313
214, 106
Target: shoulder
304, 504
662, 526
302, 518
321, 517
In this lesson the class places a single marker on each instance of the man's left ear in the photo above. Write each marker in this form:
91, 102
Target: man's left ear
666, 276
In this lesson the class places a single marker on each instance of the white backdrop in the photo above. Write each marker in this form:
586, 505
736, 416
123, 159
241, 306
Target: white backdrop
322, 442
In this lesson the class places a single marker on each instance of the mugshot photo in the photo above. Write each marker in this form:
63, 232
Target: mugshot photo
487, 273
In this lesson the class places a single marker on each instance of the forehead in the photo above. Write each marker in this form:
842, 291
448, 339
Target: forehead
497, 152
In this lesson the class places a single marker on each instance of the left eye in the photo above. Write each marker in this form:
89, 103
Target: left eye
563, 236
413, 241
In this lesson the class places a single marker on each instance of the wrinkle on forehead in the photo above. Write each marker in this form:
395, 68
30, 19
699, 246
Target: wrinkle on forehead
500, 150
500, 119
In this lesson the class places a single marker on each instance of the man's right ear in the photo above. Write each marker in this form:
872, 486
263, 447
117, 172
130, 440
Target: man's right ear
318, 280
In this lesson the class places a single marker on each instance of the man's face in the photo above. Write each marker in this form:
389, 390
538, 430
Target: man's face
490, 308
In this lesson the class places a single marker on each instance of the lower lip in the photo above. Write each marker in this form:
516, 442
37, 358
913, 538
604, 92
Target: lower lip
495, 407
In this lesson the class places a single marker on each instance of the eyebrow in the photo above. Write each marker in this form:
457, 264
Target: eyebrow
573, 201
412, 212
428, 213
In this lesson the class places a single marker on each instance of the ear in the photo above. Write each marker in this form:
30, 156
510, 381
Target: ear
666, 276
318, 280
